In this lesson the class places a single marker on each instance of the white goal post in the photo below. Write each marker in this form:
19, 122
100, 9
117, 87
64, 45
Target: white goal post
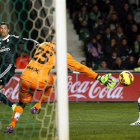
61, 69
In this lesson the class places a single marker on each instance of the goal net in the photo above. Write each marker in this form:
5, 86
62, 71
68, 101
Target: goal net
33, 19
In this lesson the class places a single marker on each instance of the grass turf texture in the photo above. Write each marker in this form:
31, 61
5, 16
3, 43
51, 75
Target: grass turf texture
88, 121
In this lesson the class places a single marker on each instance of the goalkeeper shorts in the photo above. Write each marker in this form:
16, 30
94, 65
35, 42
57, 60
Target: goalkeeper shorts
27, 88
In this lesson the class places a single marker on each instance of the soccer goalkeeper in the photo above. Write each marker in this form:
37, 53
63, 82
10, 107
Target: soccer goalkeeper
36, 76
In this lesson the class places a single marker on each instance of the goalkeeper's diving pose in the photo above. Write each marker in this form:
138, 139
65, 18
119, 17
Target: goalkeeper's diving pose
36, 76
8, 51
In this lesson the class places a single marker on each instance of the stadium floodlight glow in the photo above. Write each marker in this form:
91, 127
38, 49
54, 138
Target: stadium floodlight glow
61, 68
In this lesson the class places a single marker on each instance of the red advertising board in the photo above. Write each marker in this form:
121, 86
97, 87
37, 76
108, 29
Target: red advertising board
82, 88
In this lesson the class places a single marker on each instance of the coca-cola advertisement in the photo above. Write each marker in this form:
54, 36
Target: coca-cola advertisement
82, 88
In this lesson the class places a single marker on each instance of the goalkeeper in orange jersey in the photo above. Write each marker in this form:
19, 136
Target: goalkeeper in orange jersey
36, 76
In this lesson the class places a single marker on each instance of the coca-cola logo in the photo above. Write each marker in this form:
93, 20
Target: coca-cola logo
93, 89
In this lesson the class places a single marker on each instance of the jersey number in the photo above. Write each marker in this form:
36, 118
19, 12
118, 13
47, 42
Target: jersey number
44, 56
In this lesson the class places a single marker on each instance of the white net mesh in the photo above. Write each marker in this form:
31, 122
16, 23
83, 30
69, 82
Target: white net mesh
32, 19
48, 121
41, 15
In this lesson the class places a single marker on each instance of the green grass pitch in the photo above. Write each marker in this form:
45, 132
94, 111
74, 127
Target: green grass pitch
88, 121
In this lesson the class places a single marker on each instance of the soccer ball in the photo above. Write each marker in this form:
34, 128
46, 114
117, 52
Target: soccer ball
126, 78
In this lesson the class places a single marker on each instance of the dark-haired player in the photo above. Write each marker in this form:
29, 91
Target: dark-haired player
8, 47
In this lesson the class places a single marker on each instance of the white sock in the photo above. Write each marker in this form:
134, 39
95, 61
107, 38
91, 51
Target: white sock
17, 115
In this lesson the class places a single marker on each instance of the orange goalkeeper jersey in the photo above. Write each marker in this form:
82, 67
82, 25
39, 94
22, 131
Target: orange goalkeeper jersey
73, 64
44, 60
41, 64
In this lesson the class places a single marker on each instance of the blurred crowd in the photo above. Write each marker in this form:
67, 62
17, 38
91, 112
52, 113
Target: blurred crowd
110, 30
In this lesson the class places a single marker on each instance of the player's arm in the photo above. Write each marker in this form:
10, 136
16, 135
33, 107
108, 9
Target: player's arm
30, 41
21, 40
73, 64
105, 79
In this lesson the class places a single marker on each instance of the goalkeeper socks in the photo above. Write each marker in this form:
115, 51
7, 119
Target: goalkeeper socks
17, 113
13, 122
5, 100
37, 105
43, 97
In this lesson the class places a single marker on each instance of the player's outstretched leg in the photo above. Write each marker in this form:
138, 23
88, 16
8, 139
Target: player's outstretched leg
16, 115
36, 108
138, 121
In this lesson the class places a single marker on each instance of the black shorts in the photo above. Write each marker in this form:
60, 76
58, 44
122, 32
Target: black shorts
6, 72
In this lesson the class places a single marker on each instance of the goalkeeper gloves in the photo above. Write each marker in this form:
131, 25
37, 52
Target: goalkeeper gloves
108, 82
